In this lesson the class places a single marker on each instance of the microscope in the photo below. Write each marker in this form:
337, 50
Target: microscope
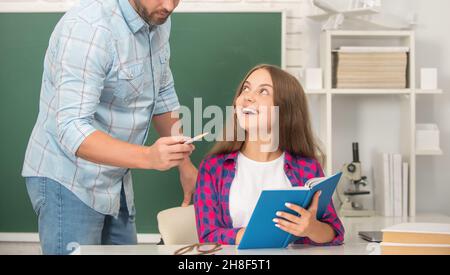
353, 173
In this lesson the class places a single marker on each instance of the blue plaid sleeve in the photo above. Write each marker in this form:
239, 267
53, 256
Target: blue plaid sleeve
82, 60
167, 100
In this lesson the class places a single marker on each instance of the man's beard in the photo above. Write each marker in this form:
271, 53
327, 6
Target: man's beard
158, 17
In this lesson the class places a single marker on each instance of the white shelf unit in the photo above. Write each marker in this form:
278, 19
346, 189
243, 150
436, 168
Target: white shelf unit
402, 99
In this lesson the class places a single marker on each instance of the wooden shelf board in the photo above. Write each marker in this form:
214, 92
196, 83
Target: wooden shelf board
429, 152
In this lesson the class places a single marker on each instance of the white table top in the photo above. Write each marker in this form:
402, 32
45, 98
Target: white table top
353, 244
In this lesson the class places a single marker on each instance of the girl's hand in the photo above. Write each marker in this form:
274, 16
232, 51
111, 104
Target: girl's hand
303, 226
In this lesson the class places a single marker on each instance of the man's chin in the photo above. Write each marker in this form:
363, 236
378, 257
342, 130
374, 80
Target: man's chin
159, 20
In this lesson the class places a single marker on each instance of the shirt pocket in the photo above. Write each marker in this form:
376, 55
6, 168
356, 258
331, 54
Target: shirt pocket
130, 82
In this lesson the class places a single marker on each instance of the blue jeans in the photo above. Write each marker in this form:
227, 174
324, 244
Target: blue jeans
66, 222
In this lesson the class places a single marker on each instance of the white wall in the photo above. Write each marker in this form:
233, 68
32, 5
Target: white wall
433, 50
433, 42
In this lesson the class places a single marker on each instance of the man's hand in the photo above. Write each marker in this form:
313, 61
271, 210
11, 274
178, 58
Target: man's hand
188, 179
166, 153
165, 125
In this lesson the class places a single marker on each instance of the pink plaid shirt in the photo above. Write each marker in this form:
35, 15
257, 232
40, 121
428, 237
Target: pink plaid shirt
211, 199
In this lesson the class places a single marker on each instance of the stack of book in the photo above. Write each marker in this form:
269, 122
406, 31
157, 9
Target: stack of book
391, 186
416, 239
370, 68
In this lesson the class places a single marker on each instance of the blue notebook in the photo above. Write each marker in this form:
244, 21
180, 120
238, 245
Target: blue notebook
261, 231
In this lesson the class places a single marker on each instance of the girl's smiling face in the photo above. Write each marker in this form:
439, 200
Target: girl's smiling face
256, 101
270, 93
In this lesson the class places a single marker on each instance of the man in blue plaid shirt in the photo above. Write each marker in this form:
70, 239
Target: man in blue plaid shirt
106, 80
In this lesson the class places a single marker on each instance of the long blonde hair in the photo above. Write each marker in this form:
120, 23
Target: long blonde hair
296, 136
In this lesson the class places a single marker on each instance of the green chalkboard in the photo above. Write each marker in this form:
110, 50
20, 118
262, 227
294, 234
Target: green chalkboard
211, 52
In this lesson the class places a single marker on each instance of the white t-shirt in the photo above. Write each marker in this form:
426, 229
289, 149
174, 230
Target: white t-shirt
252, 177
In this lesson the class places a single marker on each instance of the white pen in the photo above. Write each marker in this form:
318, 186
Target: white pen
197, 138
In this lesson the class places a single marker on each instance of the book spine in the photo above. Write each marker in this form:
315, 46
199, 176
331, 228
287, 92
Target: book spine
288, 240
386, 186
398, 194
391, 186
405, 188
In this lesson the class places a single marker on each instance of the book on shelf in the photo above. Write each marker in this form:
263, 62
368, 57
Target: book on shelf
416, 239
370, 67
347, 49
391, 185
380, 58
382, 186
